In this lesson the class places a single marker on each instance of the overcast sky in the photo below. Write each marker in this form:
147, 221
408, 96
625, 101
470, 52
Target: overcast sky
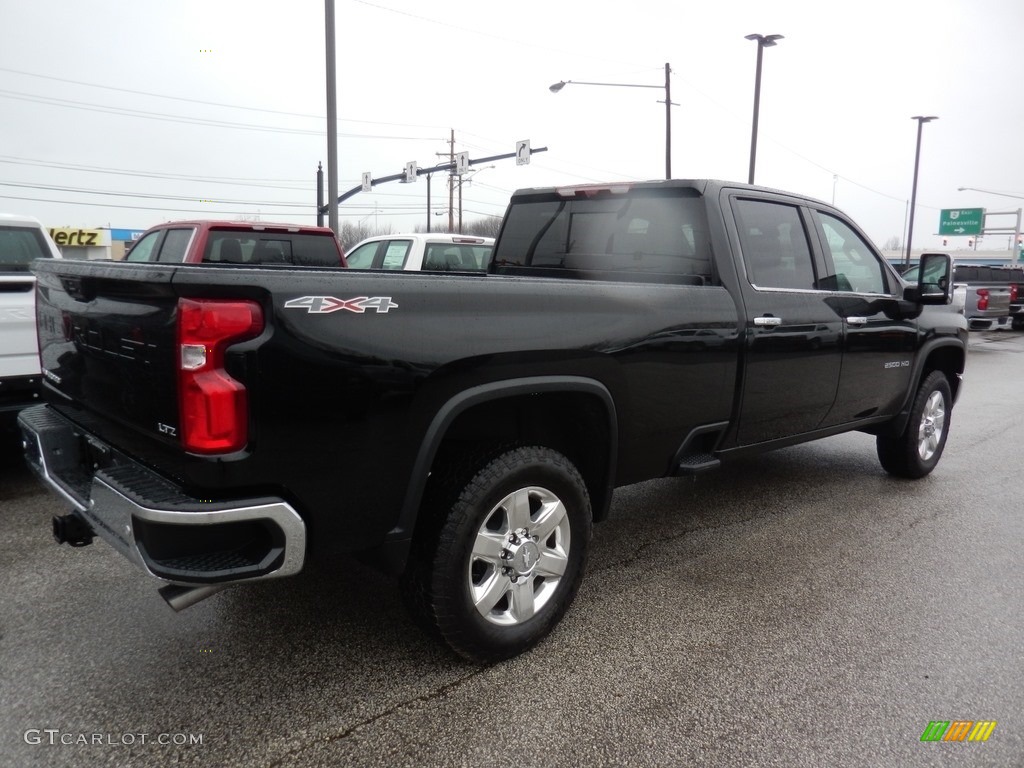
215, 108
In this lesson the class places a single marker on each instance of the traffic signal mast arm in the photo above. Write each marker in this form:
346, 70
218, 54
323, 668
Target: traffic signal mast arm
422, 171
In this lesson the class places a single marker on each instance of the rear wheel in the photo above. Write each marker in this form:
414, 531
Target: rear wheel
501, 553
915, 453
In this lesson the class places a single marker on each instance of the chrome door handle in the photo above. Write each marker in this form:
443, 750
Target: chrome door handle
857, 320
768, 322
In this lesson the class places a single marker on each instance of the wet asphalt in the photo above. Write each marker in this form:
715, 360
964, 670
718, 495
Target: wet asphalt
797, 609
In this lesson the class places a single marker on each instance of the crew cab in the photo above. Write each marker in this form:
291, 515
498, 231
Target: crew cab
219, 425
429, 251
238, 242
22, 239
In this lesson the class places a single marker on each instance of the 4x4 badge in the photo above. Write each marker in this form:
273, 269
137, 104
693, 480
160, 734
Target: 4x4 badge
322, 305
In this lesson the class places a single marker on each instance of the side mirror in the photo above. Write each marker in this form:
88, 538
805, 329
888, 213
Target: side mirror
934, 280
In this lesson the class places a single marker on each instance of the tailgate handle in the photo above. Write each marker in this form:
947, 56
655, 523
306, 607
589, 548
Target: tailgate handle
855, 320
767, 321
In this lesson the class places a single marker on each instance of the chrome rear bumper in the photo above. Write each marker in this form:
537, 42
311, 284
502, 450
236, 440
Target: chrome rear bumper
174, 537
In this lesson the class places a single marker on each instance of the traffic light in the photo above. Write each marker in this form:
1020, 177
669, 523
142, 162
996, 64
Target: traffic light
970, 243
945, 241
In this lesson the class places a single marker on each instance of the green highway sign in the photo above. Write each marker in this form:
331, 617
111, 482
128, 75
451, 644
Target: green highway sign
961, 221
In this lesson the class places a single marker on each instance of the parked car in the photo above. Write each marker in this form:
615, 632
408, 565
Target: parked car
238, 242
1012, 276
990, 295
22, 239
434, 252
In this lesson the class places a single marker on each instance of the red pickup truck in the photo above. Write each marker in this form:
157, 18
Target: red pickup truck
238, 242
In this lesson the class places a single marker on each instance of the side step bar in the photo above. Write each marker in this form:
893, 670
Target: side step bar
697, 453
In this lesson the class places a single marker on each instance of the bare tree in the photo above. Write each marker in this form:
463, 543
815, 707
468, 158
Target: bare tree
892, 244
354, 233
487, 227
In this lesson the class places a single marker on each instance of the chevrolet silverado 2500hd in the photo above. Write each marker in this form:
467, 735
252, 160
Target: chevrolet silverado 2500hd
220, 425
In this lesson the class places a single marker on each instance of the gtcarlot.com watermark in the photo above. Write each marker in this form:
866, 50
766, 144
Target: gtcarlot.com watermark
55, 736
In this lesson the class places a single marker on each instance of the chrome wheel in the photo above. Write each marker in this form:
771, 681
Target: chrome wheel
933, 424
499, 557
519, 556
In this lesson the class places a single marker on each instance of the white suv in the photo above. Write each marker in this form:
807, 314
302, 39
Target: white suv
22, 239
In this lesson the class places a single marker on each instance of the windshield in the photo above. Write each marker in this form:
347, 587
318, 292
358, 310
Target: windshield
18, 246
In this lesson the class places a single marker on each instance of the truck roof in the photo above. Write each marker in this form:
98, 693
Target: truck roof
246, 226
702, 186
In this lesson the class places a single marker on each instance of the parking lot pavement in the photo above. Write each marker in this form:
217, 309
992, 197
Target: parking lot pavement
798, 609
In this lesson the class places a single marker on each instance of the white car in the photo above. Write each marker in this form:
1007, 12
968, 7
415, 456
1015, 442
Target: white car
422, 251
22, 239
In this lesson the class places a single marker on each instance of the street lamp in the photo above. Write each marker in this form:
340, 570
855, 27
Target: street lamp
763, 41
989, 192
668, 107
913, 190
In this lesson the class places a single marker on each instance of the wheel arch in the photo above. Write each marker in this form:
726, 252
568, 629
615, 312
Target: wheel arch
575, 415
948, 356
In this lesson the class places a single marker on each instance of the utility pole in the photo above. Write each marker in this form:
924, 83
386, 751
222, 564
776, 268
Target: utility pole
332, 120
451, 183
668, 121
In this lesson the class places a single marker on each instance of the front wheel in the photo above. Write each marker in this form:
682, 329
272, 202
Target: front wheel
915, 453
501, 553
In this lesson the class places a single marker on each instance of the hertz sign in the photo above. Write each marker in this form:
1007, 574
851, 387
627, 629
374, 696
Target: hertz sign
80, 238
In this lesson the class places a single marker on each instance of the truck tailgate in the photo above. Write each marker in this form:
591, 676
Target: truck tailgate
107, 340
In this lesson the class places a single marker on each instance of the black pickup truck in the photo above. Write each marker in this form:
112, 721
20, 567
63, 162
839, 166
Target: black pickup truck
221, 424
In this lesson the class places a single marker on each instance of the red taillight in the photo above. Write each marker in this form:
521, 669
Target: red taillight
982, 298
213, 407
1013, 292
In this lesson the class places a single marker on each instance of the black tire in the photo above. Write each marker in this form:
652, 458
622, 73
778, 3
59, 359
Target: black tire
499, 555
1017, 323
915, 453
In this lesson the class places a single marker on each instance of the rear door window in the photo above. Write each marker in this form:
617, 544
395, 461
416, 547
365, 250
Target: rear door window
175, 245
774, 245
395, 254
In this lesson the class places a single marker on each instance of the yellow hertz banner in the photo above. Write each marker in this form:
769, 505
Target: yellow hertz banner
80, 238
958, 730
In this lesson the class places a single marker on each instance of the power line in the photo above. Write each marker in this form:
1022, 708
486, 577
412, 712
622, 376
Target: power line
206, 212
148, 195
163, 117
229, 180
209, 103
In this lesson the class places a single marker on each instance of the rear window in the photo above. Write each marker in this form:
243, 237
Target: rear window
269, 248
987, 274
611, 237
456, 257
18, 246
